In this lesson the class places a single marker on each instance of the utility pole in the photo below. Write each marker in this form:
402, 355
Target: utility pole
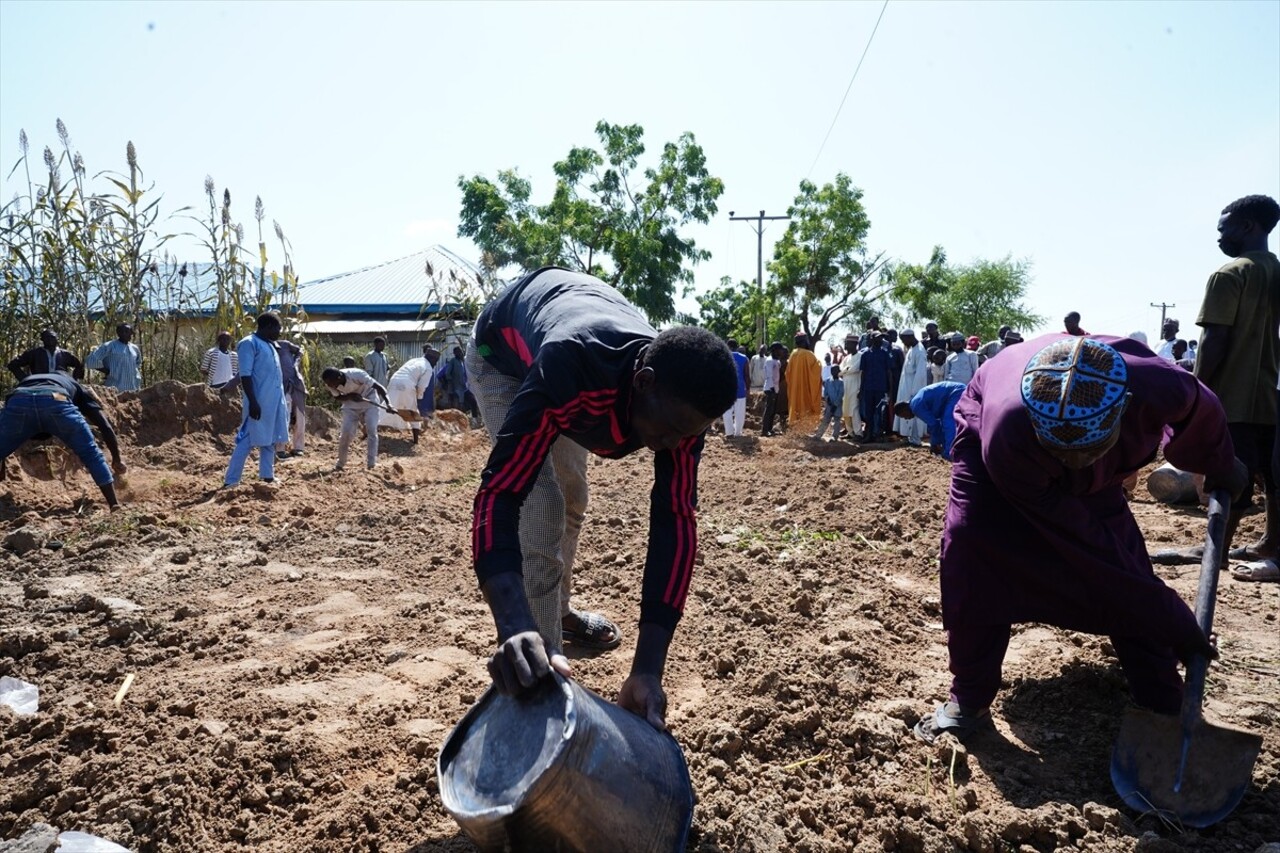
1163, 306
761, 324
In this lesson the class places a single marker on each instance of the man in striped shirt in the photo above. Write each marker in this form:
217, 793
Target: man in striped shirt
562, 364
220, 364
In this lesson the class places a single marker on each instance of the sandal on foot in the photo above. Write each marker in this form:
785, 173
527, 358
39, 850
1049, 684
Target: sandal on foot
593, 632
950, 718
1249, 552
1262, 570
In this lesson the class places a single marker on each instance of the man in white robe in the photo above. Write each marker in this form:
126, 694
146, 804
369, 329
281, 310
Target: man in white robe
915, 375
851, 373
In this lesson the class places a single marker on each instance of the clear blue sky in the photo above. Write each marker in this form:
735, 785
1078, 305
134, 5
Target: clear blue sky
1098, 139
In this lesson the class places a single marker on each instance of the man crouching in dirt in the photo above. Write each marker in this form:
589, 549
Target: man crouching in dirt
1038, 528
561, 364
57, 405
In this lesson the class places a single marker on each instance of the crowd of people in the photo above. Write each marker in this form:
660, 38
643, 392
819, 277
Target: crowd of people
381, 393
1042, 435
269, 374
863, 389
883, 385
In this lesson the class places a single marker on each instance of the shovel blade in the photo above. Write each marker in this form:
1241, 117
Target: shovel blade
1147, 757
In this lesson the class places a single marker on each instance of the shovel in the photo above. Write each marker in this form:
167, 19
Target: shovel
1186, 770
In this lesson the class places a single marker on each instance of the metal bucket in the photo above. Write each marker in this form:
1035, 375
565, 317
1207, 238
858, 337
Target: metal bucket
563, 770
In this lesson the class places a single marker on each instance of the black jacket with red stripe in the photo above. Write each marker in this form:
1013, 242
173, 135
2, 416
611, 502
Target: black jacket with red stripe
575, 345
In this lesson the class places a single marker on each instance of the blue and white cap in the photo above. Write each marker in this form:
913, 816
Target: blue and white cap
1075, 392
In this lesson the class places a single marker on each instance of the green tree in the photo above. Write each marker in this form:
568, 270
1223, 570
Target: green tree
975, 298
821, 266
917, 287
730, 311
606, 216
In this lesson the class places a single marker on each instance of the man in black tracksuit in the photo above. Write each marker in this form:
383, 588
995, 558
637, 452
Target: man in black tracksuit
562, 364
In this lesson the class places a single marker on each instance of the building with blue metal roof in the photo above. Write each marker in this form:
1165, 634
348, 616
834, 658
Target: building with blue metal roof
414, 286
409, 301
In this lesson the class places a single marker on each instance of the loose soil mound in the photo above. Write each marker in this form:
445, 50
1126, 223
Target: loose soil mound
300, 654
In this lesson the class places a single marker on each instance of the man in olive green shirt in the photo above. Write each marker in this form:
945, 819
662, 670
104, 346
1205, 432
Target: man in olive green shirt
1240, 356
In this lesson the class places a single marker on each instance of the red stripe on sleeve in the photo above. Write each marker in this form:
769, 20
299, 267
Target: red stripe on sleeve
682, 484
527, 459
517, 344
691, 523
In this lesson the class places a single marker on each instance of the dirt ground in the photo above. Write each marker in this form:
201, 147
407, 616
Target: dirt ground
298, 656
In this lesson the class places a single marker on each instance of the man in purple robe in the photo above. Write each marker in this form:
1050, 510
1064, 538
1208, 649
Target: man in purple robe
1038, 529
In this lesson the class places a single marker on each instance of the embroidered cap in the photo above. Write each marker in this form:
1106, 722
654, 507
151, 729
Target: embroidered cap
1075, 392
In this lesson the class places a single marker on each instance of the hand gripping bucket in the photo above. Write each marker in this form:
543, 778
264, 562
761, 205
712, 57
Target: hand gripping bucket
563, 770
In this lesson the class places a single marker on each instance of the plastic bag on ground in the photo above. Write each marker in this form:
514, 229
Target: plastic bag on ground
83, 842
22, 696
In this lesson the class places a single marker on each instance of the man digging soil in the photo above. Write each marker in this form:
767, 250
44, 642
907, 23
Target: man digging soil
1038, 529
561, 365
55, 404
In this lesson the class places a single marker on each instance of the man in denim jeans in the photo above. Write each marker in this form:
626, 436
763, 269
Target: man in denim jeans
56, 404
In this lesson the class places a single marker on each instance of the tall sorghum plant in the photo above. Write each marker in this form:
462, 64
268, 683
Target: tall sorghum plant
80, 260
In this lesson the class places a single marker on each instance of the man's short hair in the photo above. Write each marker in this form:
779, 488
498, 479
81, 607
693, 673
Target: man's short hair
379, 338
269, 318
1262, 210
332, 373
694, 366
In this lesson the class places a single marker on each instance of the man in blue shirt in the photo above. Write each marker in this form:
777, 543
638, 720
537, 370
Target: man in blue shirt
265, 419
832, 401
934, 405
736, 416
427, 405
120, 361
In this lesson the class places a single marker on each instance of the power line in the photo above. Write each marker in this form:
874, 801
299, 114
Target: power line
848, 89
